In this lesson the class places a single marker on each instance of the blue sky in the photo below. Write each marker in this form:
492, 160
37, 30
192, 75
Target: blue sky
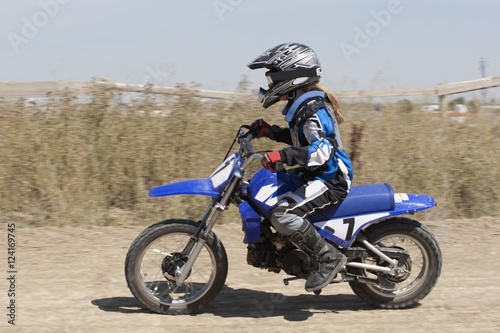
361, 44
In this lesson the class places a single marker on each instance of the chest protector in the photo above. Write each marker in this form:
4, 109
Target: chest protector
307, 109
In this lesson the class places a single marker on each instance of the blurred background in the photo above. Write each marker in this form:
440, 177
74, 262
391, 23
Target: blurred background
87, 153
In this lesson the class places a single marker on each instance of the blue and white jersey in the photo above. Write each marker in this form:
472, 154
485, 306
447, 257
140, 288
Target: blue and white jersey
314, 137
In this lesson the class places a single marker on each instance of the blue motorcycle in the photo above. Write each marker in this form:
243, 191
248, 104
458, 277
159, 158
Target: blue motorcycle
177, 266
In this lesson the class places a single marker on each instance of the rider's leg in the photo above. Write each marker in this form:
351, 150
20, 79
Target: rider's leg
287, 219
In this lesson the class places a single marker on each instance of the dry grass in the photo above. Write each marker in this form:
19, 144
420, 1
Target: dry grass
92, 162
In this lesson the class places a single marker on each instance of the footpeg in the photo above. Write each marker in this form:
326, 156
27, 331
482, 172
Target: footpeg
286, 281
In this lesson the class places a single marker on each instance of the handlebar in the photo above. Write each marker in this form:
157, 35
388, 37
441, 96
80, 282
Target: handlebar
247, 145
245, 141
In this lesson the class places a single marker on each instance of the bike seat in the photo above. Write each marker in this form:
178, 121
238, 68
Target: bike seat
370, 198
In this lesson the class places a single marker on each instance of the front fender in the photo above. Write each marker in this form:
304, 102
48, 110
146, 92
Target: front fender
201, 186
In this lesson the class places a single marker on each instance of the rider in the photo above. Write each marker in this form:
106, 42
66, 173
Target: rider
313, 115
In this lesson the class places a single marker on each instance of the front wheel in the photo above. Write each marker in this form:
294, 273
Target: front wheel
155, 255
419, 273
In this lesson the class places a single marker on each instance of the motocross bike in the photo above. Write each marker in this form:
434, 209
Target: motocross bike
177, 266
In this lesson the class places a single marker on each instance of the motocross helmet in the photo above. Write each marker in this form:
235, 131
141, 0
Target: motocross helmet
291, 66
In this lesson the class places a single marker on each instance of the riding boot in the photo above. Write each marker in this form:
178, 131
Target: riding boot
329, 258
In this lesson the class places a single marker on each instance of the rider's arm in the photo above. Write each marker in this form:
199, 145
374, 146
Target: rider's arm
279, 134
317, 153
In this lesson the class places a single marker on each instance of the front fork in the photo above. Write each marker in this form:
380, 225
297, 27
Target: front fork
196, 243
198, 240
200, 237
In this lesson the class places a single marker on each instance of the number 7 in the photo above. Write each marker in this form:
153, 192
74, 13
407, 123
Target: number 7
351, 221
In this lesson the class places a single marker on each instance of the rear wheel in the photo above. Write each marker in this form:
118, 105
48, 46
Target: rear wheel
155, 255
418, 274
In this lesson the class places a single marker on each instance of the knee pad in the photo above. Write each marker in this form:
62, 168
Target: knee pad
285, 224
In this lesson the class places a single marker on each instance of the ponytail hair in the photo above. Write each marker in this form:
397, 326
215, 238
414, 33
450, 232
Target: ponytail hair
333, 101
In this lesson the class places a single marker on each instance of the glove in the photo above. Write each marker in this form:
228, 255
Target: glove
260, 128
270, 159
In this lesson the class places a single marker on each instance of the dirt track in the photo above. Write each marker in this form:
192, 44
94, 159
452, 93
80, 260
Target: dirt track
72, 280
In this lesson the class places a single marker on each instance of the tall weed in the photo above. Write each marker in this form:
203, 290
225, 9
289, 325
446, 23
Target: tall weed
91, 162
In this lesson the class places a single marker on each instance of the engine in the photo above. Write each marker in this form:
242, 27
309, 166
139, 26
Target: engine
275, 253
264, 255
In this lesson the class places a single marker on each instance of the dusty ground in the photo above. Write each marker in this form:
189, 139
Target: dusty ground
72, 280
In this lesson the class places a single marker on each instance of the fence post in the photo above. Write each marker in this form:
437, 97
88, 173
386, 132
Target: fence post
443, 106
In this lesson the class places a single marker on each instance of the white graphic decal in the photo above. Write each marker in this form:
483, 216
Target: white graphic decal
265, 193
400, 197
223, 172
345, 228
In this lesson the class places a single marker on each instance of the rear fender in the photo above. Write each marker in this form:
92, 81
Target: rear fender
343, 230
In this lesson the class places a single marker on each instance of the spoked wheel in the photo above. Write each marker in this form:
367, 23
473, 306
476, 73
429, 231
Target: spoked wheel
154, 257
415, 276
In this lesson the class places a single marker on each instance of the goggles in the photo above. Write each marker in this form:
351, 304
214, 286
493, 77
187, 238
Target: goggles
262, 94
273, 77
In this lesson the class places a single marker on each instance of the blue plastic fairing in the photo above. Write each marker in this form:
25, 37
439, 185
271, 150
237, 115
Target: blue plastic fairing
266, 187
342, 225
202, 186
251, 222
407, 203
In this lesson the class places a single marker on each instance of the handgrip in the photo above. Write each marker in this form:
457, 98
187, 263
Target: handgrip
247, 144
